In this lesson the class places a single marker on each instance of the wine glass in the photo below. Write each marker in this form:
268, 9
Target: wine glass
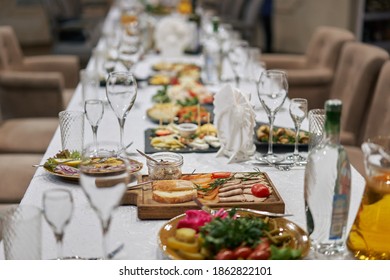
94, 110
298, 112
238, 57
272, 91
57, 210
104, 175
121, 91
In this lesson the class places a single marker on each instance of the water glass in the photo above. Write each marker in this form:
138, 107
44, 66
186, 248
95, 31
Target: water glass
89, 84
57, 210
316, 127
72, 130
22, 233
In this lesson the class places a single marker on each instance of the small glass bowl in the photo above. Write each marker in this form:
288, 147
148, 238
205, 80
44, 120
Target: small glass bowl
187, 129
168, 166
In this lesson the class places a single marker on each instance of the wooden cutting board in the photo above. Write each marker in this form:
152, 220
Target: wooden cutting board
148, 209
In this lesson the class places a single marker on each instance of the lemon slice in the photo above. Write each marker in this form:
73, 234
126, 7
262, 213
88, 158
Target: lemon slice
68, 161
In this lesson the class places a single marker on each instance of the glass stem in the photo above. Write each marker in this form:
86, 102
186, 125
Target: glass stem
122, 129
271, 130
59, 238
296, 152
94, 132
105, 227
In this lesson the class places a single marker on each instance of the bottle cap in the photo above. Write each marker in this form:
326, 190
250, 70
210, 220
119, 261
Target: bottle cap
333, 105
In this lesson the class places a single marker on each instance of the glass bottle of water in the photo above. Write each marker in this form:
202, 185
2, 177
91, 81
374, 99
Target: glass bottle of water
327, 189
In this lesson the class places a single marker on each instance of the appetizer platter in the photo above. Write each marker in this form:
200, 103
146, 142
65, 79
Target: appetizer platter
199, 235
167, 73
165, 113
183, 138
186, 93
284, 138
165, 199
65, 165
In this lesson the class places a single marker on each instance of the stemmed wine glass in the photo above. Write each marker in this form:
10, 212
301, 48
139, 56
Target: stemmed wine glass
298, 112
121, 91
94, 110
104, 175
272, 91
57, 210
238, 56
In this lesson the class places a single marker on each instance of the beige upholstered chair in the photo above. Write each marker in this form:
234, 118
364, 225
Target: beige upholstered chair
355, 79
27, 135
377, 120
31, 95
310, 75
37, 86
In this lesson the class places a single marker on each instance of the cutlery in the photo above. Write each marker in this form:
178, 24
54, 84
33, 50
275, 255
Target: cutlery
41, 165
134, 187
150, 158
125, 148
146, 156
247, 210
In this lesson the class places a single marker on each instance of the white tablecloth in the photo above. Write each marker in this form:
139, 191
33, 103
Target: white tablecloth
83, 236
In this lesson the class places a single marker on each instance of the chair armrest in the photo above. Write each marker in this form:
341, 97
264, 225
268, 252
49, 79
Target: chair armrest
284, 61
310, 77
67, 65
30, 94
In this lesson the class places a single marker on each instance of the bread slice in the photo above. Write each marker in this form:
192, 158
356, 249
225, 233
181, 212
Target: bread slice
173, 191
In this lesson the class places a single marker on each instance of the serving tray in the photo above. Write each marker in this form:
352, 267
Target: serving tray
148, 209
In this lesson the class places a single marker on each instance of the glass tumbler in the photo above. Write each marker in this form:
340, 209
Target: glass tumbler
72, 130
22, 233
316, 127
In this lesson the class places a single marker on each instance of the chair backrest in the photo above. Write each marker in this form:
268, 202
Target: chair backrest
251, 12
354, 82
325, 45
11, 55
378, 116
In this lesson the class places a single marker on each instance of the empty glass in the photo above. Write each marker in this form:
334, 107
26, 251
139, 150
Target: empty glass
238, 56
272, 91
72, 130
94, 110
22, 233
316, 127
298, 112
121, 90
58, 209
104, 176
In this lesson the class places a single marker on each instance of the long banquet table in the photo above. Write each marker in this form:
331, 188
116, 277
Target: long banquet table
83, 236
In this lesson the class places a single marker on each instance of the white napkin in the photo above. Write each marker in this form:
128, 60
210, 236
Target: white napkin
172, 35
234, 119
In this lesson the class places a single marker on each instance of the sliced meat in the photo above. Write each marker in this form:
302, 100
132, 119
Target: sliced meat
232, 182
236, 198
229, 188
230, 193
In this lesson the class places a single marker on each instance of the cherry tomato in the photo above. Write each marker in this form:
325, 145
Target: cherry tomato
220, 175
192, 94
259, 255
225, 254
263, 245
242, 252
260, 190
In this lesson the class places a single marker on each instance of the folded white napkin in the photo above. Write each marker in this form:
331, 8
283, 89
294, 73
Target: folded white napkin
234, 119
172, 35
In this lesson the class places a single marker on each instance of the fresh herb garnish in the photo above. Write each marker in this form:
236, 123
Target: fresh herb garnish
231, 232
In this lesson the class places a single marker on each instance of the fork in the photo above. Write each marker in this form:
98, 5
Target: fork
247, 210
